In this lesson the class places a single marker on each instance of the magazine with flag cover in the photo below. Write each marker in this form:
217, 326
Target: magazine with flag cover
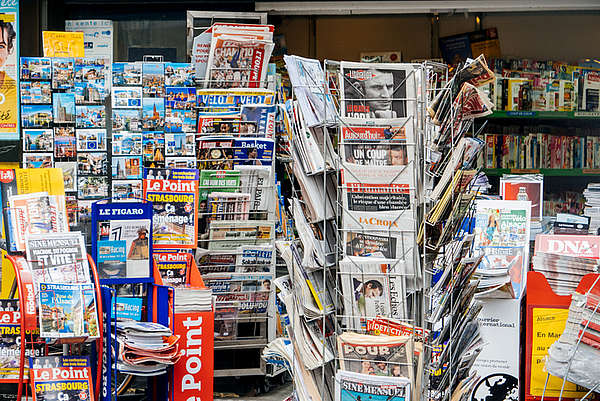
372, 287
502, 235
386, 356
58, 257
381, 90
174, 197
228, 102
378, 142
61, 378
351, 386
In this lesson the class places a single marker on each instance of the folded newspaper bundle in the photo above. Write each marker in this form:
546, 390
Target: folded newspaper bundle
146, 348
188, 299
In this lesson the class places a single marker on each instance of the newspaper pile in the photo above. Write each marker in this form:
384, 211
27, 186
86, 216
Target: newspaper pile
575, 354
233, 55
191, 299
592, 206
146, 348
565, 259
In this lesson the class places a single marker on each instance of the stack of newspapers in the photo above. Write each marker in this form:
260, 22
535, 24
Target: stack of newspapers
592, 206
146, 348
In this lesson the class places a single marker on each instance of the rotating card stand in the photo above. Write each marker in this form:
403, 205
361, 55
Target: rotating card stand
28, 320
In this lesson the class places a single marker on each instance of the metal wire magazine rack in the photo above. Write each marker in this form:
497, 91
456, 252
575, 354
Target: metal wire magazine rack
351, 259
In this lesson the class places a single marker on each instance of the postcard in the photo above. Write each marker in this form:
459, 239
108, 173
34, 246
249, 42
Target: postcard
127, 143
180, 98
36, 68
180, 144
125, 74
69, 174
153, 145
65, 142
38, 140
153, 113
126, 97
63, 72
63, 107
126, 120
127, 189
91, 163
126, 167
90, 116
91, 139
180, 162
90, 188
180, 120
36, 116
36, 92
179, 74
153, 79
37, 160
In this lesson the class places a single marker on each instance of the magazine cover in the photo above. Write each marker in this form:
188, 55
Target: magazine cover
69, 170
258, 182
90, 117
57, 257
373, 189
179, 74
127, 167
377, 90
215, 152
36, 68
373, 287
153, 113
173, 267
92, 187
262, 115
92, 163
61, 310
502, 234
385, 142
65, 142
226, 321
69, 377
124, 97
228, 102
123, 248
38, 140
254, 258
126, 190
254, 151
30, 214
351, 386
153, 149
63, 72
525, 188
10, 346
38, 160
217, 181
174, 197
127, 120
228, 235
127, 74
387, 356
153, 79
91, 140
237, 62
180, 120
36, 115
126, 143
180, 97
35, 92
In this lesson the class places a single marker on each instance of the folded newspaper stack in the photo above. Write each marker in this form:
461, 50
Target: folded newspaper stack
146, 348
592, 206
192, 299
575, 354
565, 259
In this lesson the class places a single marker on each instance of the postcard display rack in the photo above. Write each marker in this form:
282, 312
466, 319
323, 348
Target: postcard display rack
28, 322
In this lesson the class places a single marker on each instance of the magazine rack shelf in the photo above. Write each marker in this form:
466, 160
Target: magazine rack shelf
28, 320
